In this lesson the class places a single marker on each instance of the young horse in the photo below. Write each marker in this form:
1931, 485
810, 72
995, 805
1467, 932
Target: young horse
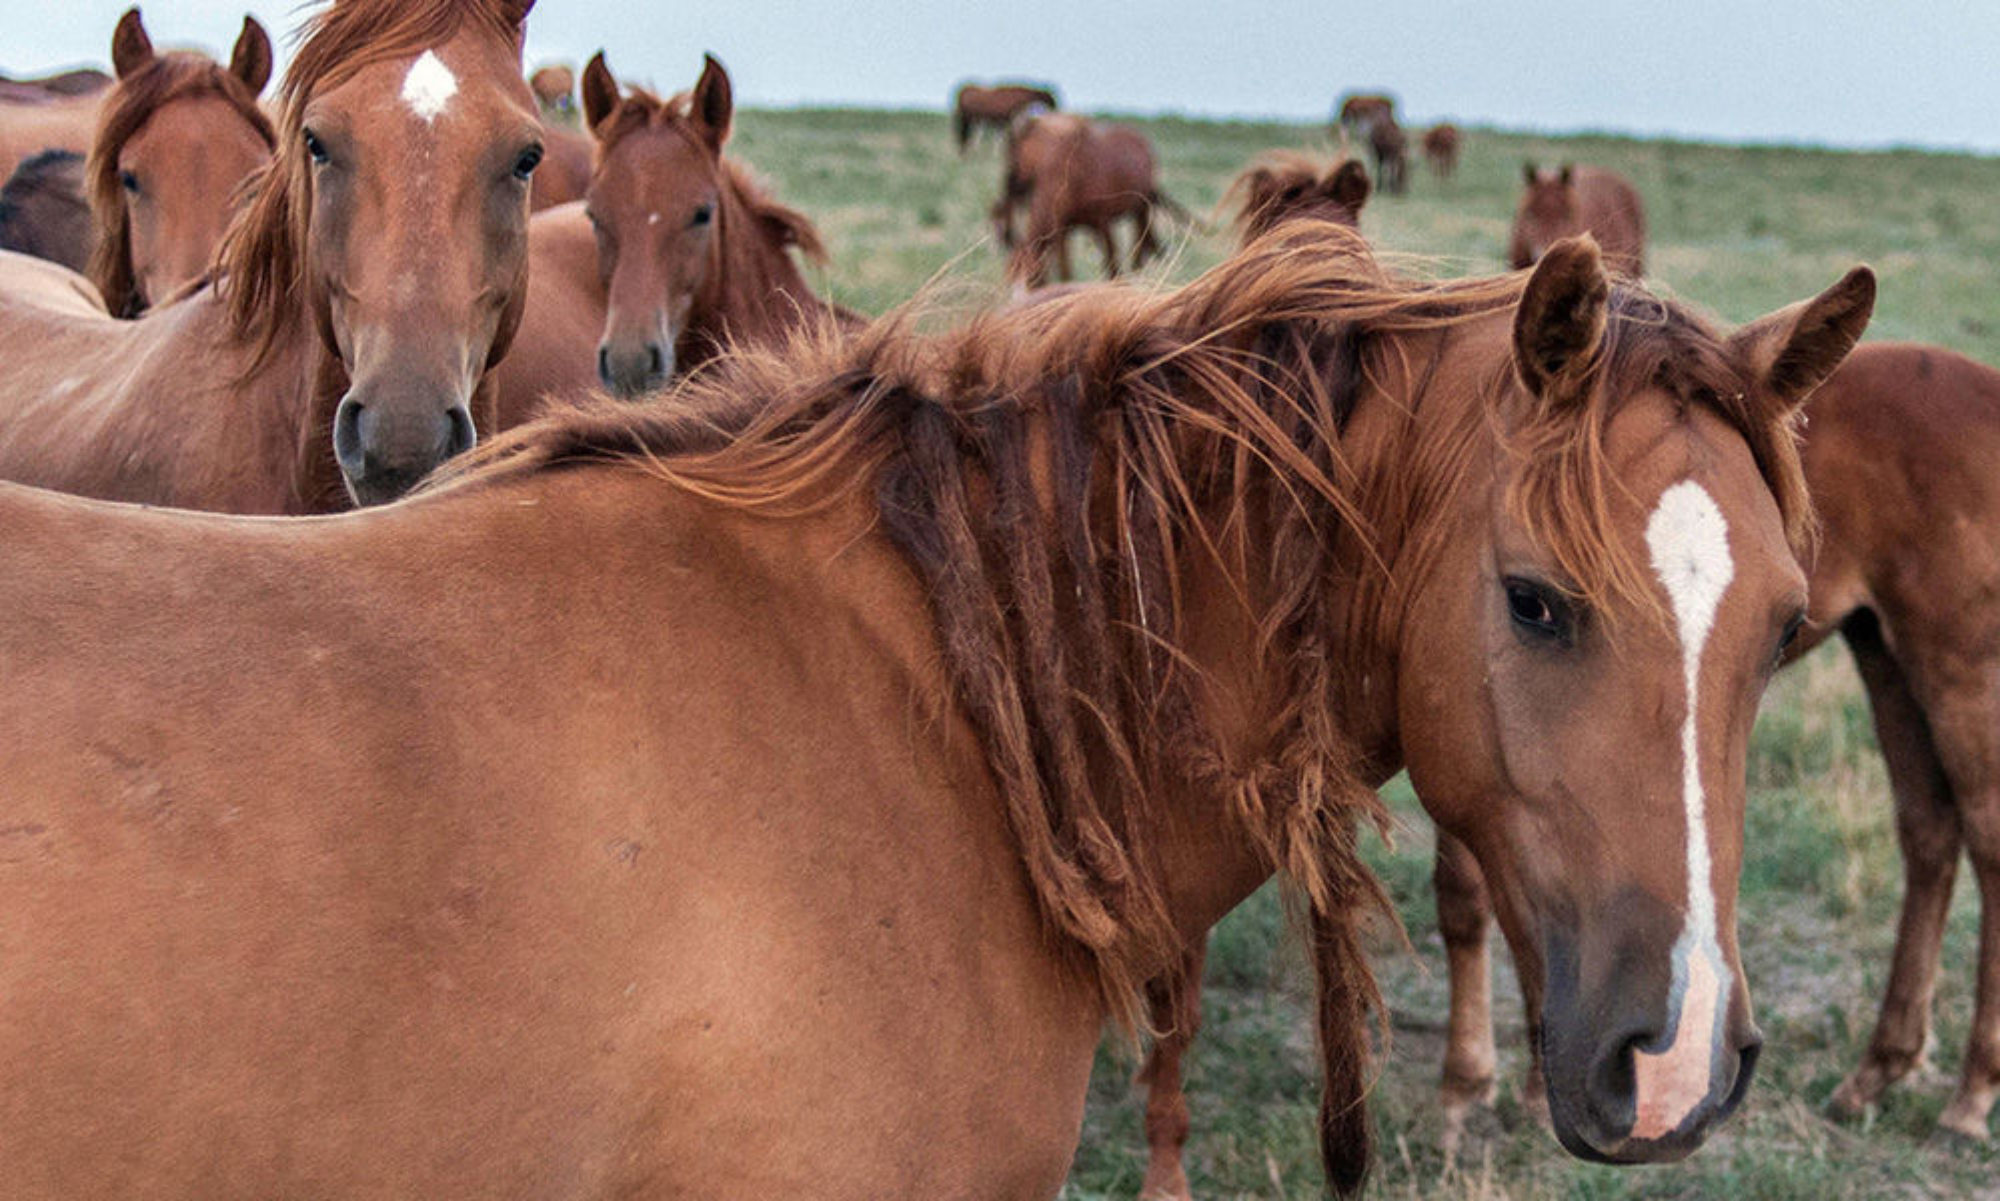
1062, 633
976, 106
1075, 173
676, 253
1574, 200
365, 290
1441, 147
43, 212
176, 137
1896, 457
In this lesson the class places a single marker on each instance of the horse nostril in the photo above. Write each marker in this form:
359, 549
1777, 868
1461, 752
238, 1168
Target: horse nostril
604, 366
460, 436
656, 364
348, 447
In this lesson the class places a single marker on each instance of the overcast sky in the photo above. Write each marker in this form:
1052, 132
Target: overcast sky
1838, 72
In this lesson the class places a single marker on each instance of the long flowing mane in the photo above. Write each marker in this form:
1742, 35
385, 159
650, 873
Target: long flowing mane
169, 77
260, 268
1045, 470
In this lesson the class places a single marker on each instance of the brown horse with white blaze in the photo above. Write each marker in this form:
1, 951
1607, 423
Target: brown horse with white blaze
176, 137
1897, 456
675, 253
1074, 625
362, 294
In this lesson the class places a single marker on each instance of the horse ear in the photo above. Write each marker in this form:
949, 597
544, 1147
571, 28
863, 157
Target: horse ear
1792, 351
517, 10
600, 93
131, 49
1348, 187
250, 61
1529, 172
712, 105
1560, 323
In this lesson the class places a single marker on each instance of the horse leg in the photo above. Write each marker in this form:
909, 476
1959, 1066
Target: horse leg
1463, 920
1144, 245
1109, 246
1174, 1001
1979, 1079
1927, 827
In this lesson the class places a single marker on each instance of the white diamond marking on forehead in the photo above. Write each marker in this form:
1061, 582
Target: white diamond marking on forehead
429, 86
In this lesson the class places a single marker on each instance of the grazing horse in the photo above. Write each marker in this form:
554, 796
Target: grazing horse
1075, 173
554, 86
1285, 185
1391, 148
1897, 459
1573, 200
176, 137
369, 283
1441, 146
1061, 632
43, 212
1275, 193
676, 253
976, 106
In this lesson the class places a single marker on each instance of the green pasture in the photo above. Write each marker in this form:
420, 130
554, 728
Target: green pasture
1739, 231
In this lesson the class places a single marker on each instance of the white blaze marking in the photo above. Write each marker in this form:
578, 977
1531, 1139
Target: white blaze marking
429, 86
1690, 543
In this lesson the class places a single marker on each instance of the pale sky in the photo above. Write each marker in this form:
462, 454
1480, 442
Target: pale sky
1836, 72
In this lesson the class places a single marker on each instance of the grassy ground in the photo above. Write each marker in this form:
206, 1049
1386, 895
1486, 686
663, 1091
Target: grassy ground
1740, 231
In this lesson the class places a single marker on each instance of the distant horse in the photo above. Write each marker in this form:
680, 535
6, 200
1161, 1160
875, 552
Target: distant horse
1441, 147
976, 106
79, 82
1061, 634
314, 369
176, 137
1359, 111
36, 121
1391, 148
1074, 173
43, 212
1573, 200
1284, 185
676, 253
554, 86
1897, 455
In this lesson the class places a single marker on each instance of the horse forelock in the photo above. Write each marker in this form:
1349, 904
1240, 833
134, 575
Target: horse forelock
128, 105
261, 262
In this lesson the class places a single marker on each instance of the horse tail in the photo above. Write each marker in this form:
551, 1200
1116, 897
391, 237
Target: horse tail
1159, 199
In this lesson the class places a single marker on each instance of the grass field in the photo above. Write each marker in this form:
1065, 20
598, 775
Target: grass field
1739, 231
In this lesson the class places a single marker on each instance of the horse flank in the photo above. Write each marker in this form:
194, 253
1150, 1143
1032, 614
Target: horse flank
260, 267
167, 78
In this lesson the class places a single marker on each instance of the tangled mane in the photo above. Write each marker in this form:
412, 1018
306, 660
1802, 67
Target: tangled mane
131, 102
1047, 471
781, 225
260, 267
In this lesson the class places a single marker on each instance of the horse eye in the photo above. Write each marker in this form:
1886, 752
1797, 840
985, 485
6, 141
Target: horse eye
129, 182
315, 148
1790, 635
526, 164
1538, 610
703, 215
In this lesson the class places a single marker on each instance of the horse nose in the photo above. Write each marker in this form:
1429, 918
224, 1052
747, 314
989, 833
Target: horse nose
634, 371
1618, 1114
382, 455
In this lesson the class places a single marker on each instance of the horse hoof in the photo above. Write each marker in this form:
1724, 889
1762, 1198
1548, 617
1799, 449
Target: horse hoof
1965, 1120
1851, 1101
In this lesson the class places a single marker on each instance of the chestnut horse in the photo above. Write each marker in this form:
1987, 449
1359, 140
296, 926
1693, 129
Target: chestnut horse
976, 106
1391, 148
363, 293
554, 86
1441, 147
1075, 173
79, 82
676, 253
1574, 200
43, 212
30, 125
1359, 111
1897, 458
1284, 185
1277, 192
1061, 634
176, 137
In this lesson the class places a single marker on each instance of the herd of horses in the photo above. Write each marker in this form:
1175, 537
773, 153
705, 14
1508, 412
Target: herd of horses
754, 723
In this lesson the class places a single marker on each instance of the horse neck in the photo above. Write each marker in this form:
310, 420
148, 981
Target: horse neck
754, 291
